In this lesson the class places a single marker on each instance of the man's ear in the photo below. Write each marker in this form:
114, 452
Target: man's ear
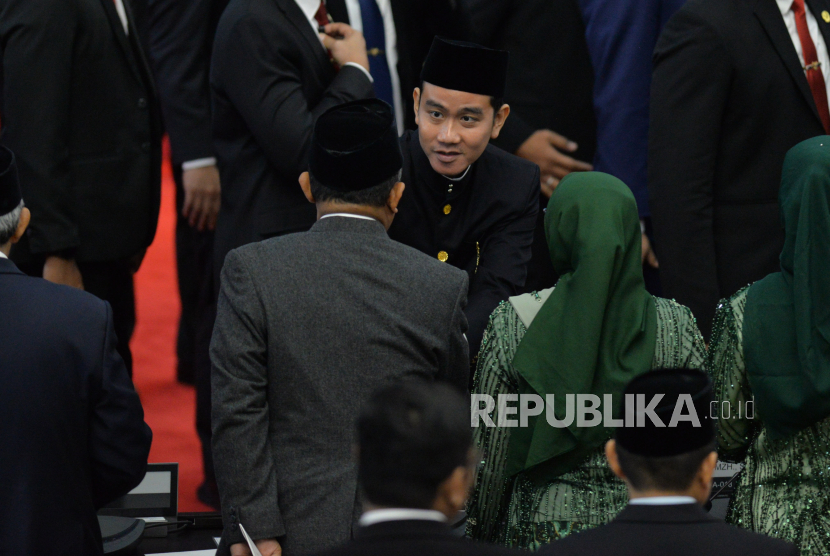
25, 217
498, 120
395, 196
416, 96
613, 460
305, 183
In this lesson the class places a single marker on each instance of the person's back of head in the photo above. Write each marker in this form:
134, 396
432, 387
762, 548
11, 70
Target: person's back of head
415, 446
355, 162
14, 217
677, 456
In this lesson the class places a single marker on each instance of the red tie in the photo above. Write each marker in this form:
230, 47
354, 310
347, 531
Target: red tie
322, 16
815, 77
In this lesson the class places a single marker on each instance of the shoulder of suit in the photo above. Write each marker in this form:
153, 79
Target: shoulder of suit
750, 542
70, 301
717, 13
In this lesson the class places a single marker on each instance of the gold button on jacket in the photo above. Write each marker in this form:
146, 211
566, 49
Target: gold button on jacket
442, 256
447, 209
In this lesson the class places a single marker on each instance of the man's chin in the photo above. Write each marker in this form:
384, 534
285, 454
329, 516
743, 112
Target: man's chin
453, 169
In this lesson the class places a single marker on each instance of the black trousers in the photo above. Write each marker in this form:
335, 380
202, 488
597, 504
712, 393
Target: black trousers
112, 282
194, 262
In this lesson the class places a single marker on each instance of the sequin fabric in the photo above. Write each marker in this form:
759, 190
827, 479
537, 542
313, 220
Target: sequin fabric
518, 513
784, 490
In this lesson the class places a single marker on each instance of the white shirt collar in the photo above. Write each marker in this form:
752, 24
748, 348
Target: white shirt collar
3, 255
784, 5
399, 514
662, 501
309, 8
349, 215
461, 177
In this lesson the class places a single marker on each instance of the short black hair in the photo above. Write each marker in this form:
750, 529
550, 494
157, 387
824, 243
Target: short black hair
375, 196
412, 436
671, 473
495, 102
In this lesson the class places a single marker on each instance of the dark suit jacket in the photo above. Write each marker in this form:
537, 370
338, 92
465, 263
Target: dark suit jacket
79, 111
308, 326
728, 100
417, 22
73, 436
271, 78
181, 43
415, 538
681, 530
549, 78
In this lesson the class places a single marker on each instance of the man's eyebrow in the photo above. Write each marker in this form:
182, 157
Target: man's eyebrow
433, 104
471, 110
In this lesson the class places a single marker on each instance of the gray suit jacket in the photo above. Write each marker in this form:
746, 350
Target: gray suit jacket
308, 326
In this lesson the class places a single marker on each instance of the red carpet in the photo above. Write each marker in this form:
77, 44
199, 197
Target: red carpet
169, 407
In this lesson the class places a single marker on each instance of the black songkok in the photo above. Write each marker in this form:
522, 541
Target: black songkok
355, 146
465, 66
653, 441
10, 196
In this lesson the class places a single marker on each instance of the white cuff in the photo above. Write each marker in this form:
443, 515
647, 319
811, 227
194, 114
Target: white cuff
198, 163
642, 226
361, 68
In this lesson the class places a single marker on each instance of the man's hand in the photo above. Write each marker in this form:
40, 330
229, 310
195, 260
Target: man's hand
63, 271
544, 148
266, 547
648, 255
350, 46
202, 197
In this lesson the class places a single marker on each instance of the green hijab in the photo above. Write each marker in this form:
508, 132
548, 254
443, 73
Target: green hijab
787, 317
597, 329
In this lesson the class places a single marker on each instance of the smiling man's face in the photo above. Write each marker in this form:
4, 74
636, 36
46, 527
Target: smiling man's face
454, 127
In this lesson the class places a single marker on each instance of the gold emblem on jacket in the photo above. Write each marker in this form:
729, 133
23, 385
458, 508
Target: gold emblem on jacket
825, 15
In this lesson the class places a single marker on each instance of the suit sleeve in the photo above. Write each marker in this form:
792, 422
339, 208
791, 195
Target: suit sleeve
180, 41
245, 470
119, 441
265, 86
503, 262
38, 49
688, 96
457, 370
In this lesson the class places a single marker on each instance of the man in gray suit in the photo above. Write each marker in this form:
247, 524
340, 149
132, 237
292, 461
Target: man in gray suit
310, 324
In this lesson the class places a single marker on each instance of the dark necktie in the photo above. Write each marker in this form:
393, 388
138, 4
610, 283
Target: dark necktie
375, 37
815, 77
323, 19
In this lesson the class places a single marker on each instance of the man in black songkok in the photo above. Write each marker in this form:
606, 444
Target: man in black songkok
308, 325
666, 455
468, 204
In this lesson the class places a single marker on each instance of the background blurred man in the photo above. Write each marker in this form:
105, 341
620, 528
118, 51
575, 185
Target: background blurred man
272, 75
88, 145
730, 96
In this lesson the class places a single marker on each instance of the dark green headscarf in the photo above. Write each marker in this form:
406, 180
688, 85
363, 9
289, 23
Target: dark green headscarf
787, 318
597, 329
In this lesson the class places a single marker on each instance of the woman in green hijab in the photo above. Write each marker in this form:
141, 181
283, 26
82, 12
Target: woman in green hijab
771, 342
590, 334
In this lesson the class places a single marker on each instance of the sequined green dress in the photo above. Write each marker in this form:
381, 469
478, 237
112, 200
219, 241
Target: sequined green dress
515, 512
784, 490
